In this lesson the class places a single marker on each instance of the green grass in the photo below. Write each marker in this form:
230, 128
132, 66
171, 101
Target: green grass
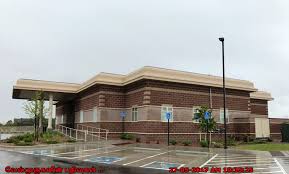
265, 147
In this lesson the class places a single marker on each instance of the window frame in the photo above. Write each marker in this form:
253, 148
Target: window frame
134, 113
193, 110
94, 114
167, 109
221, 115
81, 113
62, 118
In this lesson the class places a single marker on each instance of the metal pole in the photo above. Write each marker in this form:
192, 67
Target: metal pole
208, 140
168, 132
123, 125
224, 94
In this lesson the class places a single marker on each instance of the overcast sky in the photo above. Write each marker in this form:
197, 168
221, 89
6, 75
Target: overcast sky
72, 41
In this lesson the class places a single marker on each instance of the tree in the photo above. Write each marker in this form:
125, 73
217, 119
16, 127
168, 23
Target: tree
200, 115
9, 123
35, 109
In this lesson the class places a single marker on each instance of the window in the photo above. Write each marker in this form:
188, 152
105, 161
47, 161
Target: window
165, 109
134, 114
81, 117
195, 111
222, 115
56, 119
94, 115
62, 119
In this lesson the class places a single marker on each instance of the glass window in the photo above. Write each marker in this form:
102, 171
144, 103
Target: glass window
62, 119
195, 111
164, 110
222, 116
81, 117
94, 119
134, 114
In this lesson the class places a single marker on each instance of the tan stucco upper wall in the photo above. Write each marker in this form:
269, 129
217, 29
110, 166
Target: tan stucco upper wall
162, 74
146, 72
40, 85
262, 95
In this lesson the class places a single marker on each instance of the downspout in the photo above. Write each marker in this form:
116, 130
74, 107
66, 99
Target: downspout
211, 101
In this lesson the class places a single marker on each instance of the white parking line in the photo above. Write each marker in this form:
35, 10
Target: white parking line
268, 172
262, 168
241, 158
142, 148
196, 152
263, 165
280, 166
233, 156
148, 164
237, 160
146, 158
209, 161
262, 162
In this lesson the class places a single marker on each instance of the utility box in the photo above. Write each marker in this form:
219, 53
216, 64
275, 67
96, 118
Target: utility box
285, 132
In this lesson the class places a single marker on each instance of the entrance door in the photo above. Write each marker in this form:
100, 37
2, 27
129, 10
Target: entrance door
262, 128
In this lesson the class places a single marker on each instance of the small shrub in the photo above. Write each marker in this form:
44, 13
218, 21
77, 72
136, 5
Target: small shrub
187, 143
71, 141
173, 142
231, 141
10, 140
217, 144
204, 143
52, 137
21, 140
259, 142
126, 136
51, 142
28, 139
23, 143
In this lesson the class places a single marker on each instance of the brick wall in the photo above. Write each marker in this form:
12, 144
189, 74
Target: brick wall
86, 103
185, 95
259, 106
151, 94
161, 127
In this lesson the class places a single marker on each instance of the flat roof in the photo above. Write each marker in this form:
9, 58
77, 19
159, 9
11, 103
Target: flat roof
147, 72
262, 95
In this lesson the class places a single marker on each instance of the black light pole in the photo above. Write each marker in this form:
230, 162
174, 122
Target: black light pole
224, 94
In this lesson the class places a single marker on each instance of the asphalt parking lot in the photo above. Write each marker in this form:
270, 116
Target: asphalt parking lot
163, 158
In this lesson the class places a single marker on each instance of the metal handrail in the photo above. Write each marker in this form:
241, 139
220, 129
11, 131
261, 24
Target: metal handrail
99, 132
64, 130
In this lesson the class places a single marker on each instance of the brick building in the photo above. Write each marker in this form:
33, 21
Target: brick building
146, 95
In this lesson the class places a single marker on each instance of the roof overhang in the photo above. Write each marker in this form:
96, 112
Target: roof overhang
162, 74
261, 95
26, 88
